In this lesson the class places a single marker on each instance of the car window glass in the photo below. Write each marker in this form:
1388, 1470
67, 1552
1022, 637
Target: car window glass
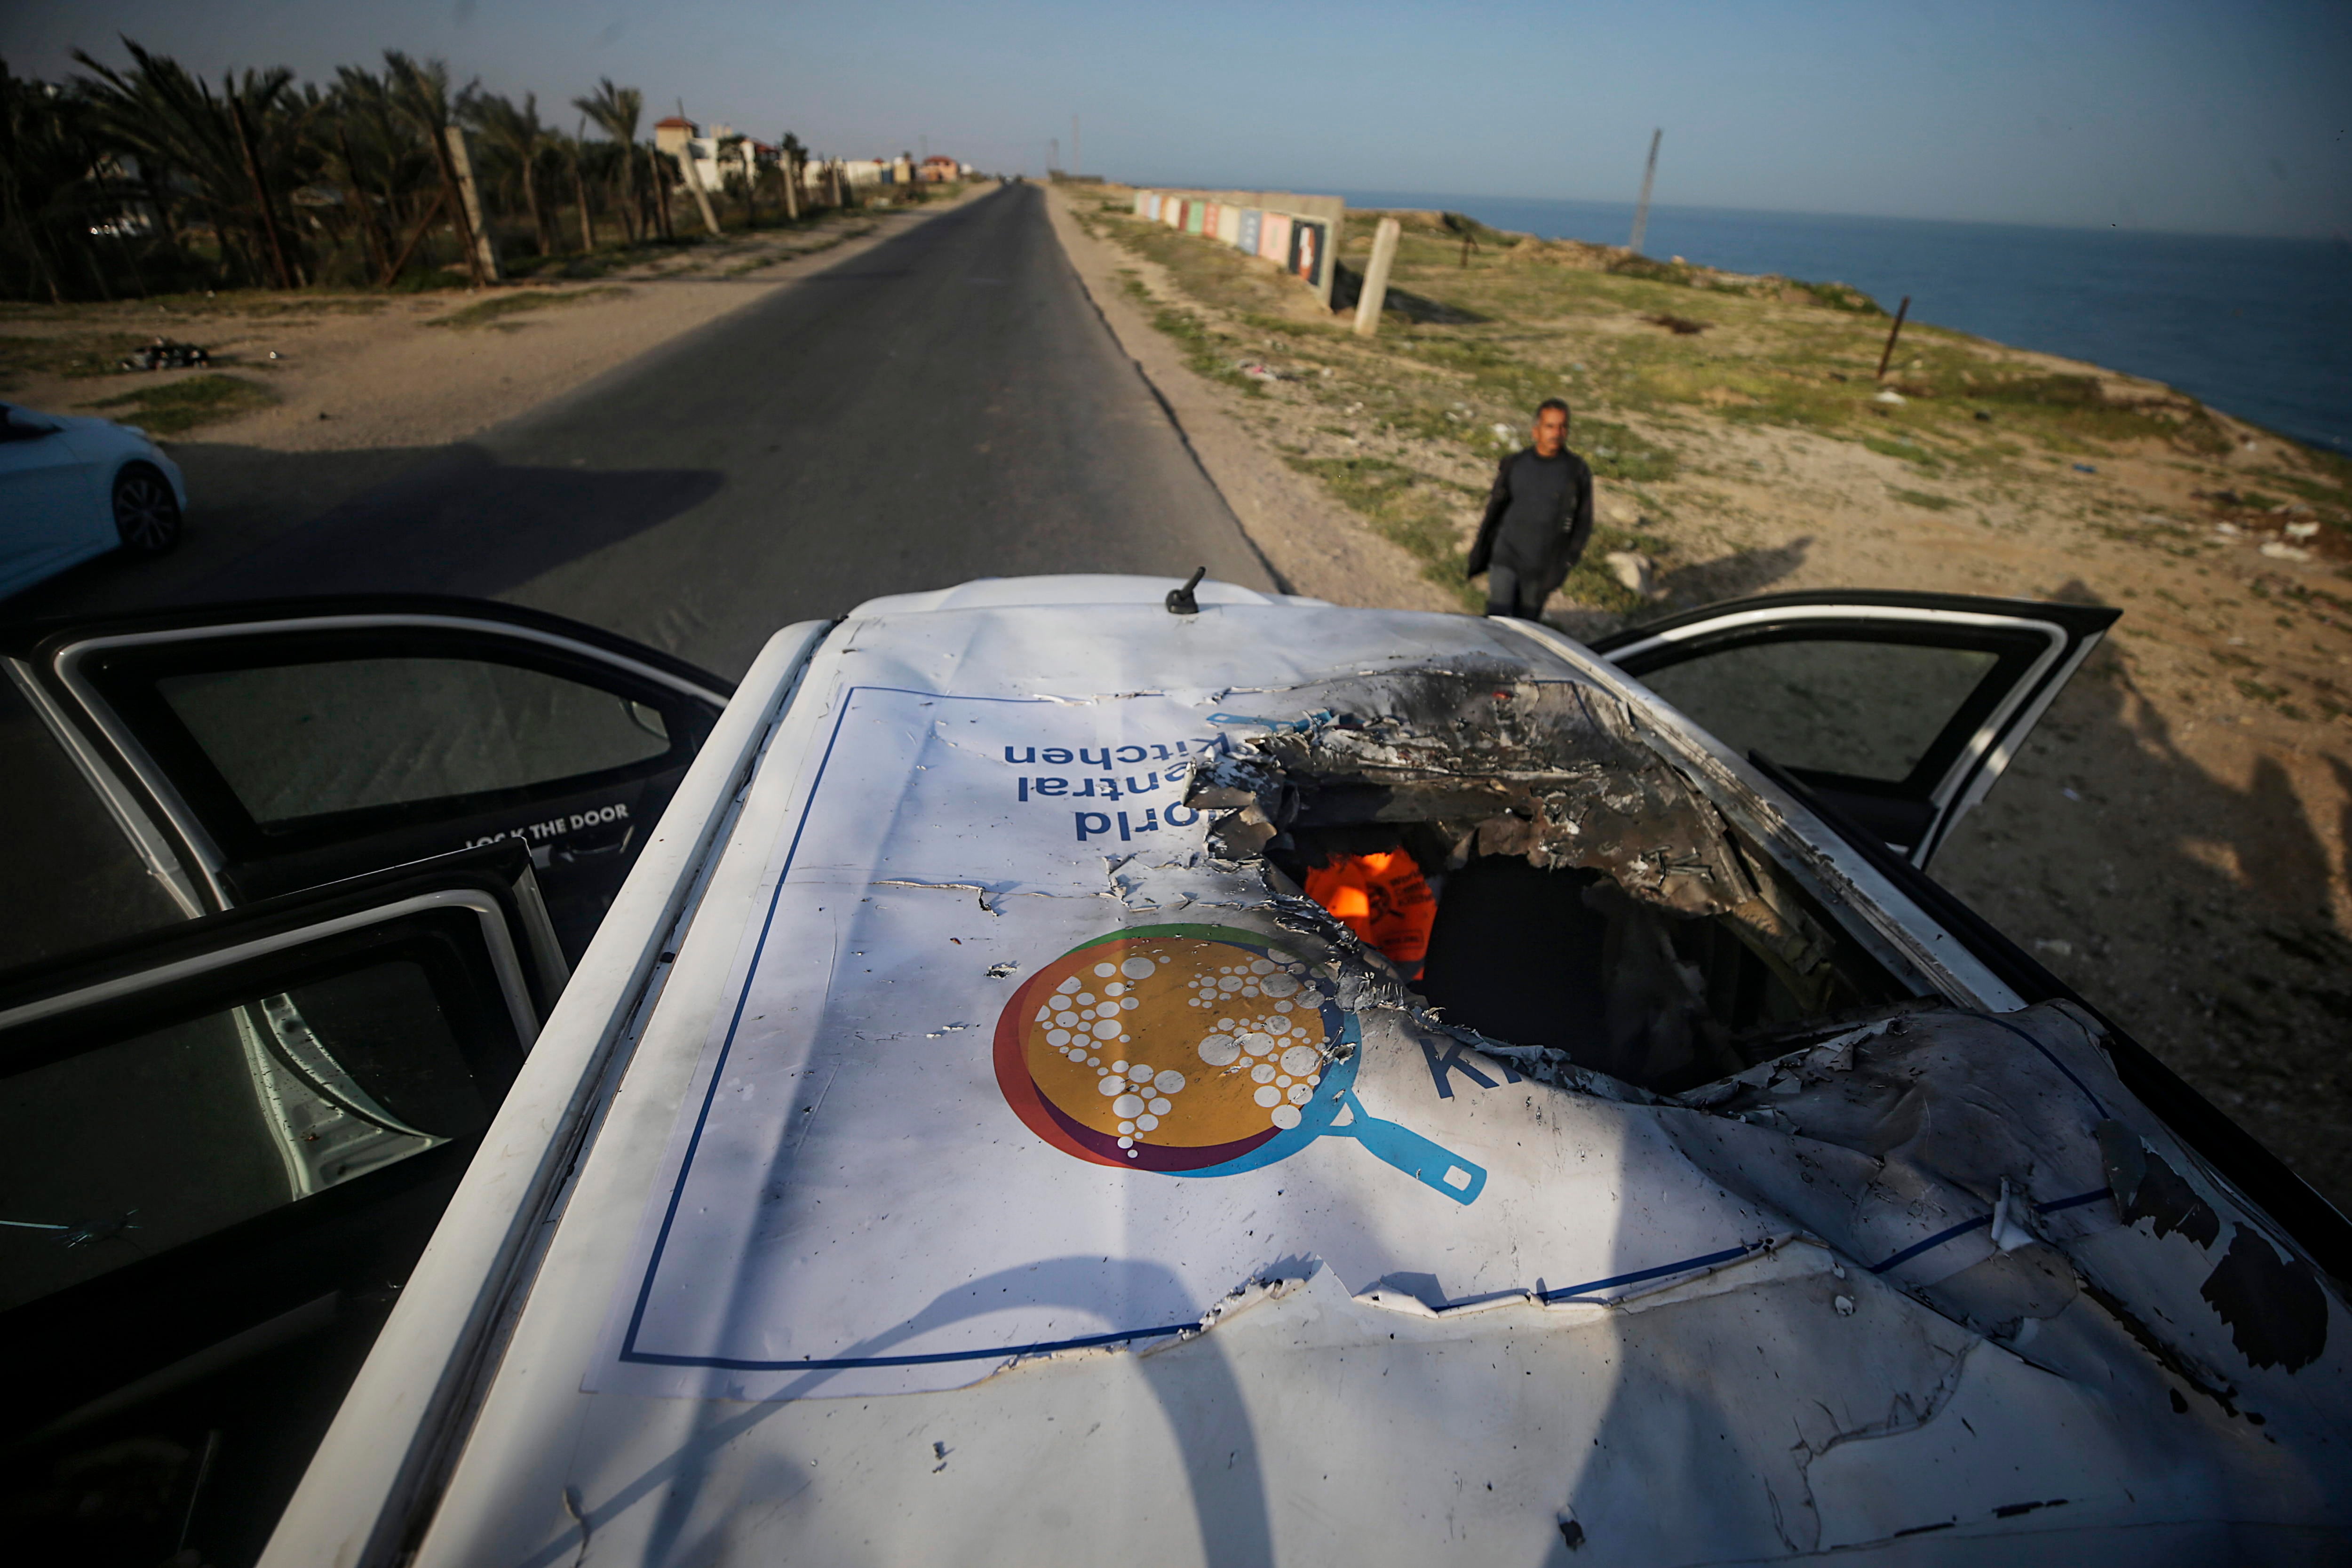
132, 1146
70, 877
1869, 710
301, 740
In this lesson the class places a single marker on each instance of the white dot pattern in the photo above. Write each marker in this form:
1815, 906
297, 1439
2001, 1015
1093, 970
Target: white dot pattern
1265, 1038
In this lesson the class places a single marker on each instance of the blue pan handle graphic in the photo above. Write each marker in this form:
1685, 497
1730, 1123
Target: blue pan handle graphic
1435, 1168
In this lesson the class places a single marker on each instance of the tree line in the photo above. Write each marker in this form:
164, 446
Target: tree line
148, 178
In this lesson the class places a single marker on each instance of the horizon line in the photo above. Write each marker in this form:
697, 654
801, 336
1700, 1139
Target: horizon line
2339, 236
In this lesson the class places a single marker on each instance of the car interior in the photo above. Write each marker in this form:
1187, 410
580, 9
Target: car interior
1559, 885
219, 1169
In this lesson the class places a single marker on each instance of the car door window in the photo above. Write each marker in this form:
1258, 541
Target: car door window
139, 1144
70, 877
310, 740
223, 1146
1899, 709
1869, 710
290, 755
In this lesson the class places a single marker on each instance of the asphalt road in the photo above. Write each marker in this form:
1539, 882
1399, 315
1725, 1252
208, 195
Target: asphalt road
946, 406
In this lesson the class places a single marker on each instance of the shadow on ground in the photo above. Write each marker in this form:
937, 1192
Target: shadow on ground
2195, 912
447, 519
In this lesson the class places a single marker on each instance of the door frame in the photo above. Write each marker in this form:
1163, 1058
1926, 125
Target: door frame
2070, 633
55, 654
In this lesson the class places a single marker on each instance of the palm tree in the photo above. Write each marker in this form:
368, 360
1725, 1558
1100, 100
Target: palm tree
45, 153
237, 153
517, 135
420, 92
615, 111
735, 149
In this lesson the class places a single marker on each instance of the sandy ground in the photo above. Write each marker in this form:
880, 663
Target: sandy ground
368, 386
2173, 841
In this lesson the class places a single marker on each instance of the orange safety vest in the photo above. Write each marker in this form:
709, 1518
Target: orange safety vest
1383, 898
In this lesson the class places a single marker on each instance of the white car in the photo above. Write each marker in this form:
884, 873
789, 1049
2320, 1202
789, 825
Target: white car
72, 487
907, 1108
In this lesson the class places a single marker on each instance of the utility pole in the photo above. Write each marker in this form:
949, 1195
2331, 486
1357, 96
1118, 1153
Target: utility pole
1077, 149
1053, 155
1649, 177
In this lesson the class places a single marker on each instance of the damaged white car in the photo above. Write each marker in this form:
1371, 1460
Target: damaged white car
1080, 1071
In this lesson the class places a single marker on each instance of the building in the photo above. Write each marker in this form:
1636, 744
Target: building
713, 160
937, 167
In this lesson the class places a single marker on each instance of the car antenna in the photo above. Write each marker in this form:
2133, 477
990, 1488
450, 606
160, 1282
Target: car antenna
1180, 601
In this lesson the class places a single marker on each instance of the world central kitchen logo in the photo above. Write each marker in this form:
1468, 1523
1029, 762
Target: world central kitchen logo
1196, 1050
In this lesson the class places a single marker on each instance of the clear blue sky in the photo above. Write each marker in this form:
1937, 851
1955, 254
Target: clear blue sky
2160, 114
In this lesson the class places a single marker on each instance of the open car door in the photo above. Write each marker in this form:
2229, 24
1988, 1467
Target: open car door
1899, 709
284, 746
223, 1146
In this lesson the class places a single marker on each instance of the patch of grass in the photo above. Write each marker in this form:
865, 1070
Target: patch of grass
1406, 508
150, 314
76, 357
494, 310
1921, 498
179, 406
1615, 452
1258, 322
1204, 353
1842, 297
1590, 583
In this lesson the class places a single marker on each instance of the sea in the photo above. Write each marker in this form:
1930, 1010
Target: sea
2261, 329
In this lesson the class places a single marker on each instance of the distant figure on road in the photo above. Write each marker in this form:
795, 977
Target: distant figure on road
1539, 516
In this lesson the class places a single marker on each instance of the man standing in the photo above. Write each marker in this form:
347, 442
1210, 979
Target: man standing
1539, 516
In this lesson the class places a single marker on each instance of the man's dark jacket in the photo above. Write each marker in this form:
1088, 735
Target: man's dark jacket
1566, 544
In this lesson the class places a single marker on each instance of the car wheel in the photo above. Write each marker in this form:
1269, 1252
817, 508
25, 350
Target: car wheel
146, 512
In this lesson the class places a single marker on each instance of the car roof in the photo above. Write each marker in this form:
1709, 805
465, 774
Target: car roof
842, 1271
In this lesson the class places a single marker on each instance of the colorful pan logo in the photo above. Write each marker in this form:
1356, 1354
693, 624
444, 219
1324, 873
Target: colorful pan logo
1195, 1050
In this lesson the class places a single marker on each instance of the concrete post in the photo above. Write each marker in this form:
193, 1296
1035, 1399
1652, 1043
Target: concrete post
1376, 278
470, 196
686, 160
792, 188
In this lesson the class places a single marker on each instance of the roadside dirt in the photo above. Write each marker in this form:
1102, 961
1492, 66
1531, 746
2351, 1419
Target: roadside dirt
2174, 840
1315, 546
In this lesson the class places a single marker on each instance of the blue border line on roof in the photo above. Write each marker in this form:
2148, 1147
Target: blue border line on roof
1953, 1233
629, 1353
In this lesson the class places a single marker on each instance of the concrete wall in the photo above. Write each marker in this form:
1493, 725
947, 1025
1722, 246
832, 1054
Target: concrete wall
1224, 215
